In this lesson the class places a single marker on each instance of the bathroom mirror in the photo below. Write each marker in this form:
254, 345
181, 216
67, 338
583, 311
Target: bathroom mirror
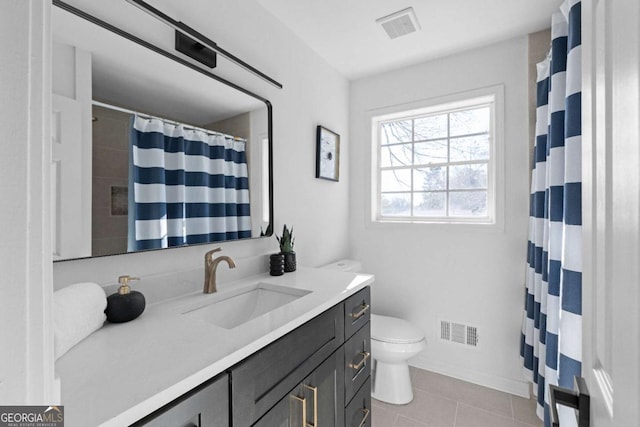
101, 78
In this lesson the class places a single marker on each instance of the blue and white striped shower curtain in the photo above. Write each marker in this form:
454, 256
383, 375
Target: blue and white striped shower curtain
189, 186
551, 342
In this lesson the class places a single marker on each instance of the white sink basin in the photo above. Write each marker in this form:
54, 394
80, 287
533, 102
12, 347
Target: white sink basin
236, 307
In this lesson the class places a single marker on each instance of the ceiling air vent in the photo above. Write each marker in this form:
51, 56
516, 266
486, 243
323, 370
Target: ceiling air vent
399, 23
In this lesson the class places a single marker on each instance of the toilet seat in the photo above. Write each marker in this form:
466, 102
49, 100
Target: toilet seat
393, 330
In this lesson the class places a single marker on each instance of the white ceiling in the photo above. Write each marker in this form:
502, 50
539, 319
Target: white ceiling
345, 34
119, 81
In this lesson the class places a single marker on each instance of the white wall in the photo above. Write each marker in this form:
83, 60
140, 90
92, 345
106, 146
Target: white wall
314, 93
421, 280
26, 333
430, 272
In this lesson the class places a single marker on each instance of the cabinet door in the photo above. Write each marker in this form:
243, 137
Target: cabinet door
261, 380
205, 406
358, 412
316, 401
357, 361
356, 311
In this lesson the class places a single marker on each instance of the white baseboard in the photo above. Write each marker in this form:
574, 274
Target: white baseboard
507, 385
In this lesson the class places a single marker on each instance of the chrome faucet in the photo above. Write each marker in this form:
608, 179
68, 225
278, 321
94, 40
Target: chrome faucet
210, 266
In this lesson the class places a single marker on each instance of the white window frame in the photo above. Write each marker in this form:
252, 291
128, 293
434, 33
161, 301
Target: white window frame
493, 95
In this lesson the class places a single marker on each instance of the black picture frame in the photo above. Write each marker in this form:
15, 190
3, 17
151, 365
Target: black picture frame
327, 154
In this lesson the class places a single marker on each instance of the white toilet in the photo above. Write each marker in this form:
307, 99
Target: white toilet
393, 342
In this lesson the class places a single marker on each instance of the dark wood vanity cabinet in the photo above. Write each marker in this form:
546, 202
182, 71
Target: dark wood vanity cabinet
358, 411
269, 375
357, 359
315, 401
357, 311
357, 344
205, 406
316, 375
336, 393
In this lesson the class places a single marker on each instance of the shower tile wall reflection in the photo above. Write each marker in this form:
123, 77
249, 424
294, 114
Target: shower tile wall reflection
110, 170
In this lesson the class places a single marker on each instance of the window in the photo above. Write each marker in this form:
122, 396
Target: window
437, 163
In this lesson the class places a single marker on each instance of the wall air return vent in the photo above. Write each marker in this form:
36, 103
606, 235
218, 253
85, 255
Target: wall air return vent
399, 23
459, 333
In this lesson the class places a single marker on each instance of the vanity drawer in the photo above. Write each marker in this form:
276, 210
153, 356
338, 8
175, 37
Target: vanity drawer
357, 311
358, 412
317, 401
357, 361
264, 378
204, 406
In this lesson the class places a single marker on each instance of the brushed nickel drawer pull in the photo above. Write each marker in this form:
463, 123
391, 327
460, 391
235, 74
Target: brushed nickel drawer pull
315, 405
365, 355
360, 313
304, 410
364, 419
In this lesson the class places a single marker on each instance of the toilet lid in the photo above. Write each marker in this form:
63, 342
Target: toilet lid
394, 330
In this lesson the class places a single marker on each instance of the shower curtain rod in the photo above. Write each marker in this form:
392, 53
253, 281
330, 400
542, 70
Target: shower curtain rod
173, 122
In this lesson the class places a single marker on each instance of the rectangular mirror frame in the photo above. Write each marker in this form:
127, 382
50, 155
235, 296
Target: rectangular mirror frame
86, 16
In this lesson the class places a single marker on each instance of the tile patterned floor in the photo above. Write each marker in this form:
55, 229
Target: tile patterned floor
441, 401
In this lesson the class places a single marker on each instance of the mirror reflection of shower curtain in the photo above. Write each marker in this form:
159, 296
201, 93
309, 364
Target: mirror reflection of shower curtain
189, 186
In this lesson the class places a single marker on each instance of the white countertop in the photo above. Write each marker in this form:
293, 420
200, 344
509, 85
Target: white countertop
125, 371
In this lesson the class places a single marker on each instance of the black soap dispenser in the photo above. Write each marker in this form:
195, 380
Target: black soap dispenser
124, 305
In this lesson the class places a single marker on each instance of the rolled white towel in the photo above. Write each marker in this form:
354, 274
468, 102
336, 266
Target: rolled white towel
78, 311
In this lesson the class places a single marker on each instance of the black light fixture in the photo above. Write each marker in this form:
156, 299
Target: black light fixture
195, 50
196, 37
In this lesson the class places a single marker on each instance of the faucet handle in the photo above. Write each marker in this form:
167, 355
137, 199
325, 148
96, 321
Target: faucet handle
208, 257
211, 252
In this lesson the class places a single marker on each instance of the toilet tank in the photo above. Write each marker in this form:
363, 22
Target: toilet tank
348, 265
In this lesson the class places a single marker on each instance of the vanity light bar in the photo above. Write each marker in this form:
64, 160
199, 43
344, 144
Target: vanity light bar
190, 32
84, 15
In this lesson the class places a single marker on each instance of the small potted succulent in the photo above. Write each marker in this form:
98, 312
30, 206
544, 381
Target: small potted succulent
286, 248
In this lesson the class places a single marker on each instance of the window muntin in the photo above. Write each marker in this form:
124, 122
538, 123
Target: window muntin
437, 165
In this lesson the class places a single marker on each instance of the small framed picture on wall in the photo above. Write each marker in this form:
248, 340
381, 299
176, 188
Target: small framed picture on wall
327, 154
